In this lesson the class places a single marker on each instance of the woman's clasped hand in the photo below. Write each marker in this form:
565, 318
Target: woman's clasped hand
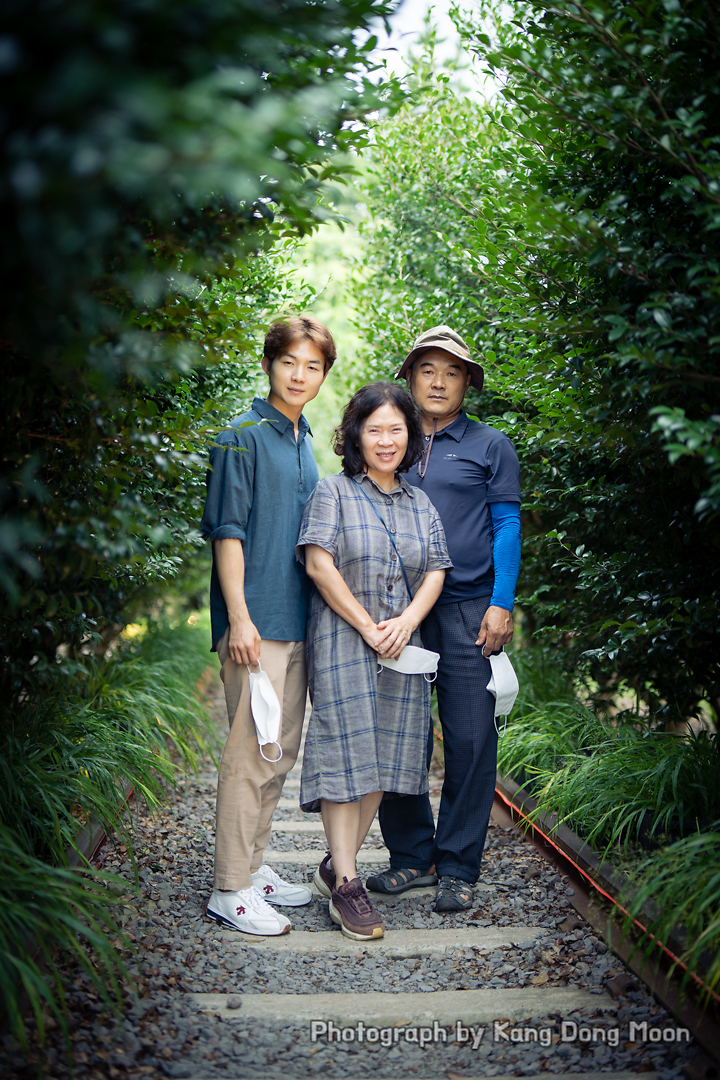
394, 635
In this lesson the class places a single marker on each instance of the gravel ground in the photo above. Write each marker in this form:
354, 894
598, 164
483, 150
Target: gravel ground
178, 950
552, 963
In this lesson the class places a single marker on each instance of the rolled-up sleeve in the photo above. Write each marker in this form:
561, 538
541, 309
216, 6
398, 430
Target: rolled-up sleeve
438, 558
230, 483
320, 522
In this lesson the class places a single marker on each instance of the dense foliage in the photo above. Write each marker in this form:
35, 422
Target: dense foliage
153, 154
681, 884
611, 783
128, 726
159, 161
569, 229
648, 801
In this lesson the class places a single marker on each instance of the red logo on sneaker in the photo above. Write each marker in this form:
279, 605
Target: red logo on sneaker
268, 889
240, 910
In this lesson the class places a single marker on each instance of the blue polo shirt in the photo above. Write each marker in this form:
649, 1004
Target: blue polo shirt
258, 483
471, 466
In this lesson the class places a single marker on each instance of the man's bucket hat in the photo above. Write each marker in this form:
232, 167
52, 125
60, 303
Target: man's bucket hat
442, 337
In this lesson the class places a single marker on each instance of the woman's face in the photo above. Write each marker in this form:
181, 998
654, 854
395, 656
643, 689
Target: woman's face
384, 439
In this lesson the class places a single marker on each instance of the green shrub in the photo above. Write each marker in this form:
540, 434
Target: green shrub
631, 786
158, 158
48, 914
71, 754
682, 883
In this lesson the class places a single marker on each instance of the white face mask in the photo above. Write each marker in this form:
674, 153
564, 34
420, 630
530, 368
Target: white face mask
503, 683
266, 712
413, 661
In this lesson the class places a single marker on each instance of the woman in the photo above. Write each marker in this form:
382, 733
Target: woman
366, 538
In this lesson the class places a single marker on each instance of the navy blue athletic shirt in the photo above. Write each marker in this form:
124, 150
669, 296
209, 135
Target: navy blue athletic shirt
471, 467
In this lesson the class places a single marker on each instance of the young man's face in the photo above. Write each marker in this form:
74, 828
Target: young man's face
296, 375
438, 383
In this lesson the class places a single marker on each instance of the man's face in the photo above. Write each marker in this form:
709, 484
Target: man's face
438, 383
296, 375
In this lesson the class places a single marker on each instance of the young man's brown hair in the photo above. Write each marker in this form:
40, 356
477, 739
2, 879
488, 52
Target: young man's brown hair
284, 332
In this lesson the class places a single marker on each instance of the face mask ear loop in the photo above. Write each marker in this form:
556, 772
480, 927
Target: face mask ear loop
273, 761
431, 681
500, 733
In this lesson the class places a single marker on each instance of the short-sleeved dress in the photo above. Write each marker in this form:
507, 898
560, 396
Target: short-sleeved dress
368, 728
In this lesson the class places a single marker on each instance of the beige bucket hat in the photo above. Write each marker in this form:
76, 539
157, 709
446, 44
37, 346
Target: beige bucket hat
442, 337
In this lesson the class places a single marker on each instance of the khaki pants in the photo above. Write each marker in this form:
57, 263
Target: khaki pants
248, 786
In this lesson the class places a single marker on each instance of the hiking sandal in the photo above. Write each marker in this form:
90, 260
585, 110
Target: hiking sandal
399, 881
453, 894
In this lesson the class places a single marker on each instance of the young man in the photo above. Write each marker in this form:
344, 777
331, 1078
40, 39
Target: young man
470, 473
260, 478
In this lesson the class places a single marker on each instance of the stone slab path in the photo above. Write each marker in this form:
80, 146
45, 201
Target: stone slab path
396, 943
514, 987
379, 1009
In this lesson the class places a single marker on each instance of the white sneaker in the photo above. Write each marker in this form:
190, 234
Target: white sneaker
247, 911
276, 891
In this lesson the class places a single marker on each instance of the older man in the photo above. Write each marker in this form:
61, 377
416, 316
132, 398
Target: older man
470, 472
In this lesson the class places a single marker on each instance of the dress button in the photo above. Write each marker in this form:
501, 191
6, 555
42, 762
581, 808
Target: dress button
393, 531
390, 588
394, 558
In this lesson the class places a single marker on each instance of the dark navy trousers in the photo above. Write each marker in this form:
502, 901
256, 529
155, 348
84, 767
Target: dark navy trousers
466, 711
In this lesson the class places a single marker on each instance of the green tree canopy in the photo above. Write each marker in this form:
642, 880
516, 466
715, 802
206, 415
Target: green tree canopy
570, 230
154, 153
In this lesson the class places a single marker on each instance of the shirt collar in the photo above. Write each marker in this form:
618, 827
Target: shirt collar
402, 485
281, 422
457, 429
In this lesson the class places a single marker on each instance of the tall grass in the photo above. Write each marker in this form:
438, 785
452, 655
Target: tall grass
542, 737
50, 914
542, 678
682, 883
131, 721
629, 786
612, 783
616, 783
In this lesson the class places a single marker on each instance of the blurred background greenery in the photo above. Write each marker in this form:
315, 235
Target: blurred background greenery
326, 261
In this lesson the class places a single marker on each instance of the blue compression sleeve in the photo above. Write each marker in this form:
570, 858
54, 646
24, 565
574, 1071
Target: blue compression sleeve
506, 552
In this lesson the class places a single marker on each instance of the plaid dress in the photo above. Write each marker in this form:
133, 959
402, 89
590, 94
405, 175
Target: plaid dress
369, 726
